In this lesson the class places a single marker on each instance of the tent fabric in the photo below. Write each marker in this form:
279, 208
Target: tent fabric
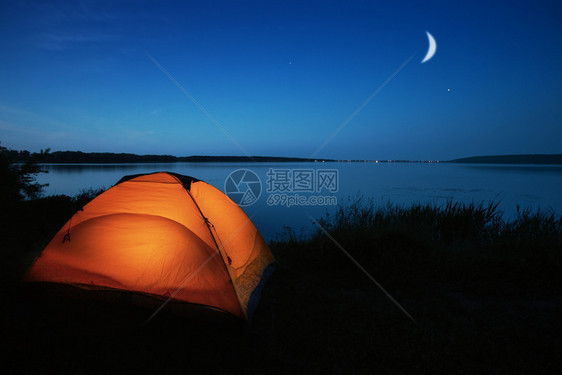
162, 234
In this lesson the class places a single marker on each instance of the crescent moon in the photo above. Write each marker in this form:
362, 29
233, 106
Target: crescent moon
432, 48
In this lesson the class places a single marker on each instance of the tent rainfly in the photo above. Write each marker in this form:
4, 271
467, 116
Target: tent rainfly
165, 235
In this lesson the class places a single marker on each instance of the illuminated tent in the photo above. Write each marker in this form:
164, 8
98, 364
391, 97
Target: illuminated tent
163, 235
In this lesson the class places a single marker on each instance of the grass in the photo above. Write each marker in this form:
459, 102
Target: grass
466, 245
484, 291
27, 227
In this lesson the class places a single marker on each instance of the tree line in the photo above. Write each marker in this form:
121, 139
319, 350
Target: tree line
109, 157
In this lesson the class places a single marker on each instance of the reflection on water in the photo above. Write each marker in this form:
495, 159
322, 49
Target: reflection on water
401, 183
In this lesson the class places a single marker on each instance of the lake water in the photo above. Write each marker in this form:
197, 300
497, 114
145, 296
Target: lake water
530, 186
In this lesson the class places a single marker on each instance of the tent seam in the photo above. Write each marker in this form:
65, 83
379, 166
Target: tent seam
206, 221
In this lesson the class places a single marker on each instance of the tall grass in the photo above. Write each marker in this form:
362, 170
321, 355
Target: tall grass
469, 245
451, 222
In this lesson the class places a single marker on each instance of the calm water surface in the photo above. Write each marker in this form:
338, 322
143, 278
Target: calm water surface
529, 186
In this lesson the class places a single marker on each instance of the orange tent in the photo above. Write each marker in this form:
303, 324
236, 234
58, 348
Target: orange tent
165, 235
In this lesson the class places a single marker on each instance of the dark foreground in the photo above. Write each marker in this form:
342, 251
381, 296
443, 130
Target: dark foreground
486, 296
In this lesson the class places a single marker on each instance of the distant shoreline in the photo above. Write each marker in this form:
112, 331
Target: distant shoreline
542, 159
79, 157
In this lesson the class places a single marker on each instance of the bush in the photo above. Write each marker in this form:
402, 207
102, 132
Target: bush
18, 180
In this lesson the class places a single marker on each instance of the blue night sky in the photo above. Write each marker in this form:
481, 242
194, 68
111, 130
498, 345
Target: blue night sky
281, 77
